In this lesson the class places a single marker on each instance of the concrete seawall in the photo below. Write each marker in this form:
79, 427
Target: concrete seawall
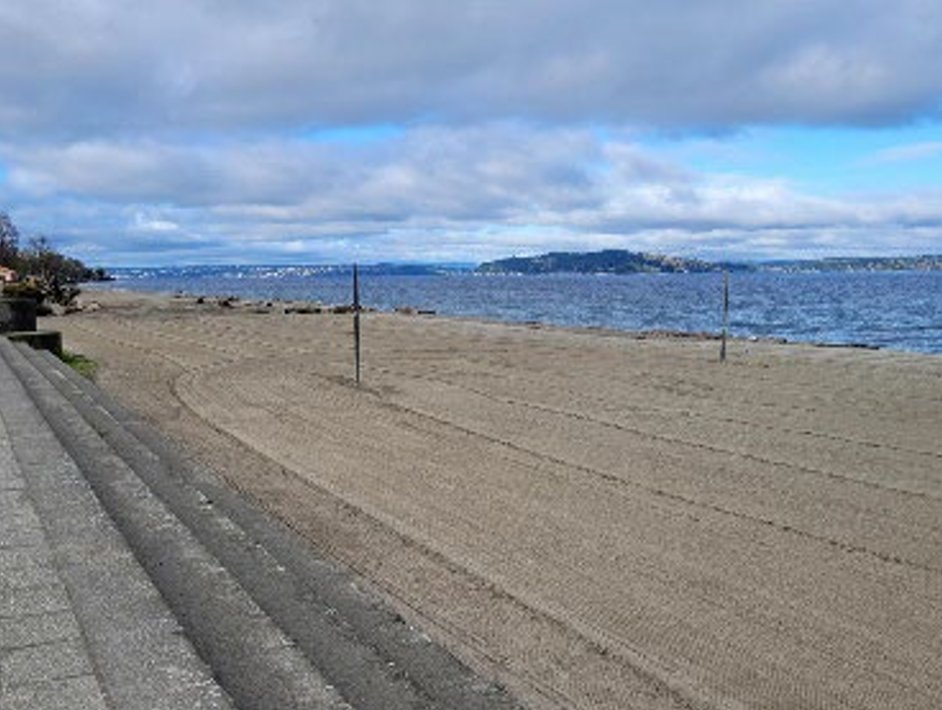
17, 314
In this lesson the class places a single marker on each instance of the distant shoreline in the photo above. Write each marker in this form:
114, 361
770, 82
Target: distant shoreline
611, 261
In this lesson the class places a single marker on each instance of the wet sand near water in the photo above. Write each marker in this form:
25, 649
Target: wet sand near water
598, 520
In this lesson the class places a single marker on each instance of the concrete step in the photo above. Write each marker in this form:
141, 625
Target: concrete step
357, 645
44, 661
253, 661
82, 625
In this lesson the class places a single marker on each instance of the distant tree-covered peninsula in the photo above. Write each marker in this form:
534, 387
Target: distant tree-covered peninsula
609, 261
621, 261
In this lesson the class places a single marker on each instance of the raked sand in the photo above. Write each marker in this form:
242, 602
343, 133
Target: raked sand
596, 519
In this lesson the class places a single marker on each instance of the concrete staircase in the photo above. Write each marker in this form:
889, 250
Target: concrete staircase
132, 579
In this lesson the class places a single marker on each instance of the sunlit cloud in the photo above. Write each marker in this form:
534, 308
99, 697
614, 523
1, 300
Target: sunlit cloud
906, 153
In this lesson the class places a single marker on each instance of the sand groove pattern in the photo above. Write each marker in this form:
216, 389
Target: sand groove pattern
601, 521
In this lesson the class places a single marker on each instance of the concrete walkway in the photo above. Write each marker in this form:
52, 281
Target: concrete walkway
130, 579
44, 660
82, 624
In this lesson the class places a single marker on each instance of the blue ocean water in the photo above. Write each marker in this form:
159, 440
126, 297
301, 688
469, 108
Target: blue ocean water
898, 310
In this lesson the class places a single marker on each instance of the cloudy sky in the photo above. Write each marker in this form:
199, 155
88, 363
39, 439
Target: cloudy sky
299, 131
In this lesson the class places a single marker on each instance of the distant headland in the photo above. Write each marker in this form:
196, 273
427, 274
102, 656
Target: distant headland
622, 261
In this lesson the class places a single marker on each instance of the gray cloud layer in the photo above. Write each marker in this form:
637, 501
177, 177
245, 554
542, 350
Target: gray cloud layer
87, 68
189, 128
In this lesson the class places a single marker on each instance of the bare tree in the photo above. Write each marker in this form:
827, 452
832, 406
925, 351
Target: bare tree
41, 259
9, 241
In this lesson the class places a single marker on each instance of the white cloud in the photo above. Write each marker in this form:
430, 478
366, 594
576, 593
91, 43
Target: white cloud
467, 192
144, 222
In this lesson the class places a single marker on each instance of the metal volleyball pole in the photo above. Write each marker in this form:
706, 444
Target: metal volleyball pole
725, 315
356, 321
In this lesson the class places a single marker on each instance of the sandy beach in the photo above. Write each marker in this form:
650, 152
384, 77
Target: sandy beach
598, 520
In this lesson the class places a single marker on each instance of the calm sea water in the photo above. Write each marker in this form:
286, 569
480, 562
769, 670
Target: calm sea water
898, 310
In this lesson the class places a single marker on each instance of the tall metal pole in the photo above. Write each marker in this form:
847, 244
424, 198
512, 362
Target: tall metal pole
725, 315
356, 321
